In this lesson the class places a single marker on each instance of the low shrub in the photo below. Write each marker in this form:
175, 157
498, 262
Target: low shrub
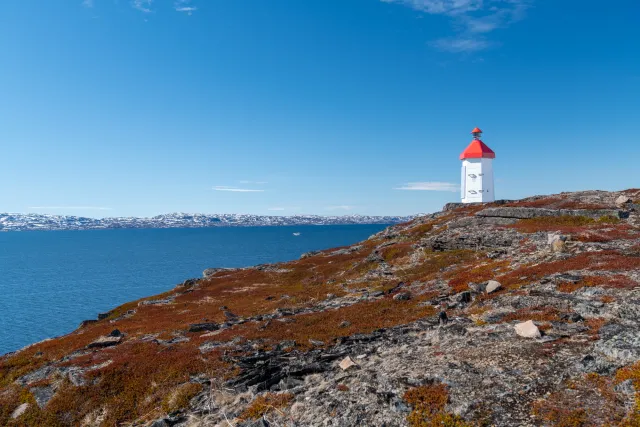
266, 403
428, 407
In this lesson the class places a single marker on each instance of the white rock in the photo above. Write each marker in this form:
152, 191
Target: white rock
623, 200
19, 410
553, 237
492, 286
527, 329
347, 363
558, 246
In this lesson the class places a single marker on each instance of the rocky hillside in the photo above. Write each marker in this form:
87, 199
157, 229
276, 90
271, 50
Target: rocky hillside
509, 314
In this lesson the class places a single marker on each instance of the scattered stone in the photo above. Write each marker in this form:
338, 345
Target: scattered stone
464, 297
211, 271
402, 296
620, 344
554, 237
493, 286
106, 341
623, 200
316, 343
566, 277
347, 363
88, 322
127, 314
489, 372
288, 383
309, 254
165, 301
286, 345
42, 395
229, 315
477, 287
625, 387
442, 318
19, 411
528, 330
201, 327
102, 316
189, 283
37, 375
558, 246
115, 333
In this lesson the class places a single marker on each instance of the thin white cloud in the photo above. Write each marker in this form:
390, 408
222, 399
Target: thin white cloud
92, 208
429, 186
142, 5
280, 208
444, 7
340, 208
184, 6
458, 45
236, 189
472, 20
87, 3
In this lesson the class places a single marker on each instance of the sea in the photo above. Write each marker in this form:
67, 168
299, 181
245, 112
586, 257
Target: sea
52, 280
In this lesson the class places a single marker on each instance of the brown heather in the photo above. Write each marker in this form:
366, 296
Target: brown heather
148, 375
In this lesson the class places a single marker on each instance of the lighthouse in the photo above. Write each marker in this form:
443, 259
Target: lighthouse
477, 171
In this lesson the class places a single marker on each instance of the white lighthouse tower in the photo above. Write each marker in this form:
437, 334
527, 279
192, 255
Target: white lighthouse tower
477, 171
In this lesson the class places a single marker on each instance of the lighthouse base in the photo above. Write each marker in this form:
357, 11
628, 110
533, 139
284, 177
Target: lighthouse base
477, 181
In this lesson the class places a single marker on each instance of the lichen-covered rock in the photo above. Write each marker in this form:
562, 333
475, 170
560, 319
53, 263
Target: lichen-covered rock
359, 335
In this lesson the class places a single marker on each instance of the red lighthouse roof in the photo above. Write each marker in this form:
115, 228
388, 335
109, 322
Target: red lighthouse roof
477, 149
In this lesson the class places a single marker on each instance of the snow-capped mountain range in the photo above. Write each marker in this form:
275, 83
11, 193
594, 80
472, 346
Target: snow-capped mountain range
32, 221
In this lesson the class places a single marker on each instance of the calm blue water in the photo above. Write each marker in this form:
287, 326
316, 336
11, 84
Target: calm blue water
51, 281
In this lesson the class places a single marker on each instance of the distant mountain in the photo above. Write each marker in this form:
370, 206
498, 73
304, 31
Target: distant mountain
26, 222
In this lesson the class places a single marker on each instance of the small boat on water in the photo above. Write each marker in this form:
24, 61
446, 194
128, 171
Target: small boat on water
296, 234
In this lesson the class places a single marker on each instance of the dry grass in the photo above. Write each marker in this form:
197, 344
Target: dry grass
428, 407
146, 379
266, 403
611, 261
435, 263
461, 277
617, 281
568, 224
538, 313
588, 401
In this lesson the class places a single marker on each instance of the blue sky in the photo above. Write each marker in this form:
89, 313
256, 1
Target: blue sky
119, 107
